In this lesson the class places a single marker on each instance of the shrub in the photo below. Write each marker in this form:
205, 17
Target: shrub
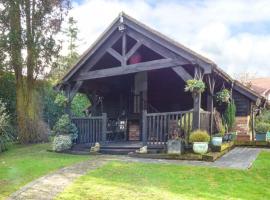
64, 126
262, 127
61, 143
61, 100
264, 116
229, 115
199, 136
195, 86
5, 129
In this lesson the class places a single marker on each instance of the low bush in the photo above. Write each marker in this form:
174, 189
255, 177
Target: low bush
199, 136
262, 127
61, 143
64, 126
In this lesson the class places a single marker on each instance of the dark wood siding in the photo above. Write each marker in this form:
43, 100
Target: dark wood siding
242, 104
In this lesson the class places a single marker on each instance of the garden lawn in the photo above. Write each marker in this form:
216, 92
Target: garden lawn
22, 164
122, 180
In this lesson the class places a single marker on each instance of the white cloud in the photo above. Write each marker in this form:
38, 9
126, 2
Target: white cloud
204, 26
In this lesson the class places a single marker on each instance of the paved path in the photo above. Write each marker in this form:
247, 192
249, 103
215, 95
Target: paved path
47, 187
238, 158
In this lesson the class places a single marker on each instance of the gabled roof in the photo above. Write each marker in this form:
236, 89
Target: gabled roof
167, 42
153, 34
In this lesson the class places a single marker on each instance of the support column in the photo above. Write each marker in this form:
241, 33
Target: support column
104, 127
196, 111
144, 127
210, 100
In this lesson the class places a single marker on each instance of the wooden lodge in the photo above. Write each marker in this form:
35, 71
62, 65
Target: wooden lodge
135, 79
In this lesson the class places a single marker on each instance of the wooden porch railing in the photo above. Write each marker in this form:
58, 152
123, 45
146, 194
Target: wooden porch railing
91, 129
159, 127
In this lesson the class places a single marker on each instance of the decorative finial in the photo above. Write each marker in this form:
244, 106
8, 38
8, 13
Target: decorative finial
121, 26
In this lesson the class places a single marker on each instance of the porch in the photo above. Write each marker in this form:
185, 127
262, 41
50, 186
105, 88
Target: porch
154, 132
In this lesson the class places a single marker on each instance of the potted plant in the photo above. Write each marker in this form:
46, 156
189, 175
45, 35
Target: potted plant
195, 86
262, 128
200, 140
218, 138
175, 144
223, 96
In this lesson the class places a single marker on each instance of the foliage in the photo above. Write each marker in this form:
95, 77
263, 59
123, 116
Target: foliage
262, 127
5, 134
195, 86
61, 100
22, 164
264, 116
51, 111
61, 143
29, 29
79, 104
8, 93
129, 181
223, 96
229, 115
64, 126
199, 136
65, 62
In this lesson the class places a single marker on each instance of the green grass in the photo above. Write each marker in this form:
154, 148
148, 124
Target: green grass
22, 164
119, 180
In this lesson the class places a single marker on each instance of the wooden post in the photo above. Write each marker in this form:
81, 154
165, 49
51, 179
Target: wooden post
67, 95
253, 122
210, 108
210, 100
196, 111
104, 127
144, 127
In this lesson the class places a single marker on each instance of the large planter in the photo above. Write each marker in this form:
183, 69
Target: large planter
268, 136
200, 147
217, 141
175, 147
260, 136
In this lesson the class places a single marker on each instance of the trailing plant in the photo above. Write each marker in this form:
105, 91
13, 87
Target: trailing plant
195, 86
229, 115
199, 136
223, 96
262, 127
5, 129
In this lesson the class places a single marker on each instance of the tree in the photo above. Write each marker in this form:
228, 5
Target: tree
65, 62
30, 26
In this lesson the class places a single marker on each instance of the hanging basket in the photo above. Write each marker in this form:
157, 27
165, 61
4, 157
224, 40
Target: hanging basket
223, 96
195, 86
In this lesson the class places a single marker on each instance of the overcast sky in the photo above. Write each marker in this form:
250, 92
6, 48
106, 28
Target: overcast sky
234, 34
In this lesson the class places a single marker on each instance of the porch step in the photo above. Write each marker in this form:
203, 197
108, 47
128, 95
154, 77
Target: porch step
116, 148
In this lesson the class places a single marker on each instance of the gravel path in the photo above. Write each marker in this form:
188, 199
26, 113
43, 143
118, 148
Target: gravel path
49, 186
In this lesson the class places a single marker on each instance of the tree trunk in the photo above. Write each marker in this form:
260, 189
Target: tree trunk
30, 126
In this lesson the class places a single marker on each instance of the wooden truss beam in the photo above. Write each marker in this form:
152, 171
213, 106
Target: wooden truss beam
180, 71
128, 69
